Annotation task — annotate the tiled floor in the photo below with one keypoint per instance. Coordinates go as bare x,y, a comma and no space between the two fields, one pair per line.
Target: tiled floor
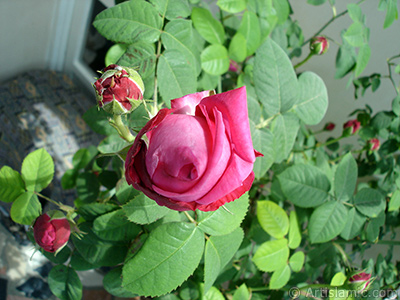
17,265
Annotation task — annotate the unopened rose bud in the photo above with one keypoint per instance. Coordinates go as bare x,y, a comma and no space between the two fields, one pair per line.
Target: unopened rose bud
319,45
359,282
233,66
329,126
351,127
51,231
119,90
374,144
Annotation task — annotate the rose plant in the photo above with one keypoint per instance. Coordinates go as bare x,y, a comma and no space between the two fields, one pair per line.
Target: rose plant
216,182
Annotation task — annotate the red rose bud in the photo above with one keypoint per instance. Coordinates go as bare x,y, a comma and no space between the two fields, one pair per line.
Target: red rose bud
374,144
51,231
329,126
233,66
351,127
360,281
119,90
319,45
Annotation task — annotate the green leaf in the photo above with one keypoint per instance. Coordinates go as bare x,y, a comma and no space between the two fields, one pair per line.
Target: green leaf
272,218
272,255
282,9
354,224
112,144
369,202
363,57
219,251
215,60
345,178
345,60
175,77
304,185
78,263
237,50
313,99
355,34
391,13
11,184
284,128
65,283
59,258
294,231
232,6
26,208
172,9
208,27
112,283
178,34
263,141
115,53
37,170
97,251
143,210
250,29
338,279
97,120
225,219
141,57
279,278
296,261
130,22
274,78
91,211
242,293
327,221
88,187
213,294
355,12
394,203
373,227
115,226
169,256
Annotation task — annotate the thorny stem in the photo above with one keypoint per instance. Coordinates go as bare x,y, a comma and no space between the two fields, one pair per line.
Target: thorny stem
343,254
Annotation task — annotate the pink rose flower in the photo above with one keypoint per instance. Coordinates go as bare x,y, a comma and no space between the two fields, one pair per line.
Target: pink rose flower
51,231
354,126
374,144
198,154
119,89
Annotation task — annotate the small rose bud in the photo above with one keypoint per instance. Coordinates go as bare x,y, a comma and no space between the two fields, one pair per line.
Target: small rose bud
119,90
360,282
319,45
233,66
51,231
351,127
373,144
329,126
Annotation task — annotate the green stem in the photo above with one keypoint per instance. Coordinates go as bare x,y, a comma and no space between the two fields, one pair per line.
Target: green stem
343,254
122,129
47,199
381,242
304,61
329,22
155,95
189,217
219,88
390,75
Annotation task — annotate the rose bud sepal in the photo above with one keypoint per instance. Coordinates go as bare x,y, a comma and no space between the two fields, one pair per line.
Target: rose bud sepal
359,281
319,45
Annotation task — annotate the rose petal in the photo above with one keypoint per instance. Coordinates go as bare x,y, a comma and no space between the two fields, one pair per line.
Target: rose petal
187,104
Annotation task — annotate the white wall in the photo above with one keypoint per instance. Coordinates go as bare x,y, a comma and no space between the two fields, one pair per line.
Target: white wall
384,44
43,34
